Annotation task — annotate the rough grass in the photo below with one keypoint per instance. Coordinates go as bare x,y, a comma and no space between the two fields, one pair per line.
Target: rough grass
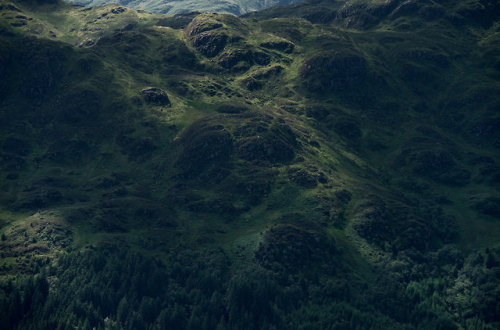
412,80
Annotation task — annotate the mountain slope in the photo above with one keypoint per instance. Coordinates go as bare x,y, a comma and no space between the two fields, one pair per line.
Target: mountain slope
235,7
296,168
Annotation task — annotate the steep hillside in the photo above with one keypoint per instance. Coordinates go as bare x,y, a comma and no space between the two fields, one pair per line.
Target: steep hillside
235,7
322,165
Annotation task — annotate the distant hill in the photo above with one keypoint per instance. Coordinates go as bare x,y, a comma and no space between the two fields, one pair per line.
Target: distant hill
235,7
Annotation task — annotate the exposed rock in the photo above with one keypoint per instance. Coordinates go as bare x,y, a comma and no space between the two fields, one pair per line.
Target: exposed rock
156,96
251,84
315,144
268,72
210,44
202,24
303,178
282,45
19,23
261,58
240,60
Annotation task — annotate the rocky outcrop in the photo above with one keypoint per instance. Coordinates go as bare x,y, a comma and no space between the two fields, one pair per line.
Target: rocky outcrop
206,35
155,96
202,24
306,178
281,45
240,60
210,44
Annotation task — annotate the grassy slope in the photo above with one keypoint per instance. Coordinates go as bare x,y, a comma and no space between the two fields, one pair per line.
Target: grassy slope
67,30
72,25
118,170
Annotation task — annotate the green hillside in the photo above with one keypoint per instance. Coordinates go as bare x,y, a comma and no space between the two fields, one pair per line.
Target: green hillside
326,165
235,7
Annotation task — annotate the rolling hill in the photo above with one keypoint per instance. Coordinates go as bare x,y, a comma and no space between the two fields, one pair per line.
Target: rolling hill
324,165
235,7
